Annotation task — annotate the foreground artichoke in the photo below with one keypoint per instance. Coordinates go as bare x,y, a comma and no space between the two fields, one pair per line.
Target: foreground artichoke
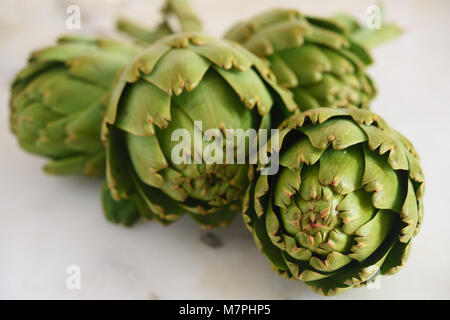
181,79
57,102
313,57
345,204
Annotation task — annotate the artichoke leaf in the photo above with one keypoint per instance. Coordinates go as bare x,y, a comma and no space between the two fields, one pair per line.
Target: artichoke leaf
250,88
287,185
342,169
299,153
341,133
409,215
372,234
387,185
308,63
355,210
147,159
144,106
396,258
223,55
285,76
333,262
177,70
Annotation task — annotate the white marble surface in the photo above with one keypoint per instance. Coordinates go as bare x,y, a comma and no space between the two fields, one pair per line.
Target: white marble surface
49,223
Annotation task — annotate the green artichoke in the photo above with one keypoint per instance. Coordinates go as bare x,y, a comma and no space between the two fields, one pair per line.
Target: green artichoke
57,102
181,79
345,203
313,57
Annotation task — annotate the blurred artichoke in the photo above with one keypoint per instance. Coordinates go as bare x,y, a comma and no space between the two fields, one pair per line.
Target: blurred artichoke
56,102
181,79
345,204
313,57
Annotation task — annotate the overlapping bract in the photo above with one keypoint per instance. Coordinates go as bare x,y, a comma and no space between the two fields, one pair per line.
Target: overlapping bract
56,102
345,204
313,57
181,79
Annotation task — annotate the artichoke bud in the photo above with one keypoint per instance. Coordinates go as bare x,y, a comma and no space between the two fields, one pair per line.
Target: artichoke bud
167,121
345,204
313,57
56,102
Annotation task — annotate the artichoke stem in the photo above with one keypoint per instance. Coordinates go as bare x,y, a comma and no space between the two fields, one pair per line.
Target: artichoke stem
373,38
179,16
184,14
141,33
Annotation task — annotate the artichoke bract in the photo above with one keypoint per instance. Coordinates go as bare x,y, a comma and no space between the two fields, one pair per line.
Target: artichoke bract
313,57
345,203
56,102
176,82
179,11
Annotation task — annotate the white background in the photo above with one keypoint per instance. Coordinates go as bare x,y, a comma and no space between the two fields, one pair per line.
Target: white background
49,223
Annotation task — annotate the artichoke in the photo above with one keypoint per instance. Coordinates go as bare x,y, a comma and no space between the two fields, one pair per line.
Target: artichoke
56,103
313,57
181,79
345,204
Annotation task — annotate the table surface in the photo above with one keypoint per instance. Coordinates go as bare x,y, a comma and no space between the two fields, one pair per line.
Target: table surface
50,223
